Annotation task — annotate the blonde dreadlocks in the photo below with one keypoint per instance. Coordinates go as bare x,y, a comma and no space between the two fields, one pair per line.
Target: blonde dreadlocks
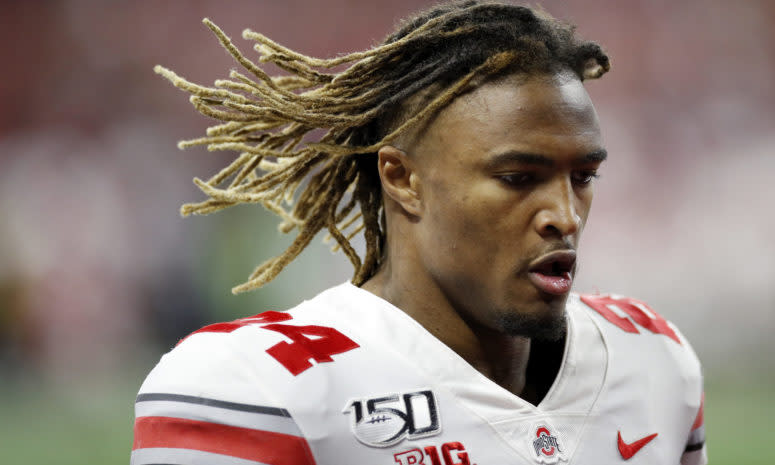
364,107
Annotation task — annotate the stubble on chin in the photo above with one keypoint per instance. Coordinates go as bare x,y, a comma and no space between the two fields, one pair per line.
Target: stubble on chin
542,326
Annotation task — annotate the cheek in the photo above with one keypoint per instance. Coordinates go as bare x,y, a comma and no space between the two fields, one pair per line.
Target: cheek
584,203
471,230
454,230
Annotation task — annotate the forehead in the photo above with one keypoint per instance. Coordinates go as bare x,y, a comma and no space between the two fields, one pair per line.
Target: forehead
549,115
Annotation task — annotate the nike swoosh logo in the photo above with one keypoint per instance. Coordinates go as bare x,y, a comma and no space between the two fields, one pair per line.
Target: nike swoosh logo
628,450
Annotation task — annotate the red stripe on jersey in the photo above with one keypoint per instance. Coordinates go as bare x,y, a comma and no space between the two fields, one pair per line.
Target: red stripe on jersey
245,443
700,420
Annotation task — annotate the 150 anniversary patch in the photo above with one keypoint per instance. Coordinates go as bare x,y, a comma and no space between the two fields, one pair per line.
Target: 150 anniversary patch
387,419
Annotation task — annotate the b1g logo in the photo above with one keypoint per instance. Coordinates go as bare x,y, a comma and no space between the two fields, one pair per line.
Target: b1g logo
386,420
448,449
546,446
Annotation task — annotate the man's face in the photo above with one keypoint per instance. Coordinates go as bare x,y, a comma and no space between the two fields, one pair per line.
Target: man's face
506,182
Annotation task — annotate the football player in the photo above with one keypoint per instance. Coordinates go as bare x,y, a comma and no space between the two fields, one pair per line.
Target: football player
465,150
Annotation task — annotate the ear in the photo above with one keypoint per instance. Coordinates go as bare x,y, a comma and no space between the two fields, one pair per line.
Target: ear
400,181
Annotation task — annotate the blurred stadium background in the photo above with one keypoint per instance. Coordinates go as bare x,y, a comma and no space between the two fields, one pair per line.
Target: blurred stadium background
99,275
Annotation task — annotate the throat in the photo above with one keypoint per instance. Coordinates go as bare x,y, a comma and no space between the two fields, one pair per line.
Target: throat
526,367
543,366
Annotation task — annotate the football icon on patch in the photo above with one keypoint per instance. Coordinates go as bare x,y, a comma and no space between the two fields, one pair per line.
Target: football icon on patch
383,429
386,420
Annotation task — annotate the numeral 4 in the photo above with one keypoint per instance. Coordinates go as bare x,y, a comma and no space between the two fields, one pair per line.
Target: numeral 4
296,355
317,343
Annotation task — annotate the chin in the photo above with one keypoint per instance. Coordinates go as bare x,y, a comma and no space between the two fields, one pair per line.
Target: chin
548,324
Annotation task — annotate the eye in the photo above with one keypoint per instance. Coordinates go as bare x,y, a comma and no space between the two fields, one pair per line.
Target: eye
585,177
518,179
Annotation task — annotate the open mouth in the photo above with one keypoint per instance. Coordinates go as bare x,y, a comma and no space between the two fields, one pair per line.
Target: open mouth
551,273
554,268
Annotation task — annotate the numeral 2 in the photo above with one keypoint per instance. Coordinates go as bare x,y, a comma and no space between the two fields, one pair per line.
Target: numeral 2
318,343
635,309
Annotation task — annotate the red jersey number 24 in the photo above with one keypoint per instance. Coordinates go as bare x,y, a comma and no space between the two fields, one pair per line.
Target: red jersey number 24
309,342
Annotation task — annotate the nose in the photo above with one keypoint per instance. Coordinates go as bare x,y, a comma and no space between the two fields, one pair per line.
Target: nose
558,215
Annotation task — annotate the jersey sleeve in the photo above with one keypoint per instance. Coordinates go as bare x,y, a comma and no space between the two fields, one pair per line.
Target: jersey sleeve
203,404
669,353
696,451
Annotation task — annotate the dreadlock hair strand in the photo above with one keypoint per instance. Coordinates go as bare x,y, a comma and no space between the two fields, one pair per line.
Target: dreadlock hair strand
330,181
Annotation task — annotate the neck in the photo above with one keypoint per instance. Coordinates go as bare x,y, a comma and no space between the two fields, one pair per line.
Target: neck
501,357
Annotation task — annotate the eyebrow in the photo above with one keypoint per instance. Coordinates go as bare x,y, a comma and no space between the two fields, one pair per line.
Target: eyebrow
524,158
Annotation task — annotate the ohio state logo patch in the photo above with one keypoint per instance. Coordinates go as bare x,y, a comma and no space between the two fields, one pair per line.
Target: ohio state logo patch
385,420
546,445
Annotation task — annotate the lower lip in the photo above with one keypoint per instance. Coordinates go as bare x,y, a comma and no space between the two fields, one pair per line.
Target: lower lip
556,285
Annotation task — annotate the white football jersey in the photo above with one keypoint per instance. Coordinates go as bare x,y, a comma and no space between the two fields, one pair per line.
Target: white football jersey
347,378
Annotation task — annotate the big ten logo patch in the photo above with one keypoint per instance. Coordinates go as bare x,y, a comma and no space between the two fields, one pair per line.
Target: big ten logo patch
385,420
546,445
450,453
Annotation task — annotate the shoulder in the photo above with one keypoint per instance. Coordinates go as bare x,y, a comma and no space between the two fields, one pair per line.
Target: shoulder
653,376
224,389
642,345
635,333
222,357
649,359
204,402
631,320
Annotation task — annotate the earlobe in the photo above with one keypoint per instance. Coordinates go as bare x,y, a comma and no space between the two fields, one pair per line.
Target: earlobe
399,179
